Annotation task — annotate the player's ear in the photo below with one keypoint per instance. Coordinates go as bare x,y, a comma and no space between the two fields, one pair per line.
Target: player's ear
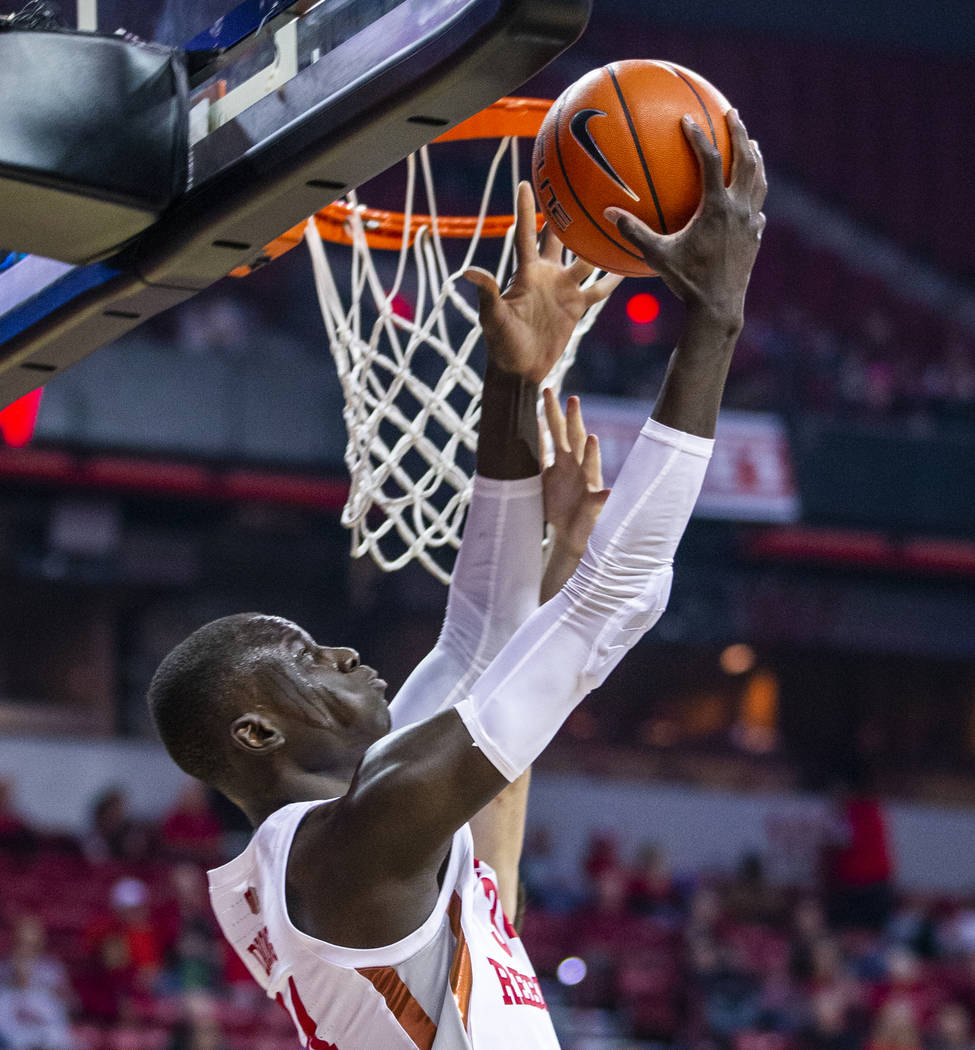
255,733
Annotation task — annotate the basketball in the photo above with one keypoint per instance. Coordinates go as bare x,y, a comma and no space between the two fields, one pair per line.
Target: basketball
614,138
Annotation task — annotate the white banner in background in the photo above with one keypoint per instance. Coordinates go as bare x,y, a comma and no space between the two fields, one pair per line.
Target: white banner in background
750,477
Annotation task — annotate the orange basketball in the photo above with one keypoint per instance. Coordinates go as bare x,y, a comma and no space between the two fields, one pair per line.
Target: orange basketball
614,137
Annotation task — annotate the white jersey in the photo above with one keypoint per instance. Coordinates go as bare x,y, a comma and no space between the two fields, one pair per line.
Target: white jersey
461,981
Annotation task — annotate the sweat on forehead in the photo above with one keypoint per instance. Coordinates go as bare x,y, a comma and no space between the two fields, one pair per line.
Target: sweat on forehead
261,629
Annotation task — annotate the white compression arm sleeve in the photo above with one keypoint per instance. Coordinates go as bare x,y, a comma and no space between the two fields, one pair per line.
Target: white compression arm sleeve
494,589
619,591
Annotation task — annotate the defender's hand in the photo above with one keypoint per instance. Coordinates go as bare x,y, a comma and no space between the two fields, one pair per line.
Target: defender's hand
707,264
528,327
572,486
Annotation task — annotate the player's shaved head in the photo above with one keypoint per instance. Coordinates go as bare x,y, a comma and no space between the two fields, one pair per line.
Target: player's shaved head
203,684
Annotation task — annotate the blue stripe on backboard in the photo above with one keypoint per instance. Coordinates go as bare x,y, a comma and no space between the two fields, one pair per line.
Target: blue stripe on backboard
74,283
241,21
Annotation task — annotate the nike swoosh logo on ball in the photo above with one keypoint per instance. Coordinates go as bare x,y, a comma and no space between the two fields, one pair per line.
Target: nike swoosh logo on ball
579,126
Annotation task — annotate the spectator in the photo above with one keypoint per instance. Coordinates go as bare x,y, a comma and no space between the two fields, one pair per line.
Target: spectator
651,889
750,898
895,1027
199,1029
39,969
540,873
907,984
125,950
31,1016
858,861
602,853
912,924
829,1026
951,1030
956,931
114,834
16,837
649,993
191,830
730,994
783,1005
188,931
808,926
706,919
601,928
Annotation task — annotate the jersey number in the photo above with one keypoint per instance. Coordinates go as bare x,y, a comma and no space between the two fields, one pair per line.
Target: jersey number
304,1019
502,930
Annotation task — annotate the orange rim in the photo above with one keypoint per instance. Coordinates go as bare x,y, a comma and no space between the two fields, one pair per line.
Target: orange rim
521,117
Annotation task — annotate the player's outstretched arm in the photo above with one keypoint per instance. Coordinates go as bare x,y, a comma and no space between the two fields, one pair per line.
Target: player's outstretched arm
384,842
728,225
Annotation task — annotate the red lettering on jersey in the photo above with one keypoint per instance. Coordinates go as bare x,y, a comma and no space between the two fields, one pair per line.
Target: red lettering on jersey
304,1020
518,989
508,991
263,950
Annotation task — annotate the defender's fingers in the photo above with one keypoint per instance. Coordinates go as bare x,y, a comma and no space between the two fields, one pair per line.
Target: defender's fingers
575,429
526,235
592,463
760,183
485,283
651,243
602,288
743,160
600,497
549,246
708,156
554,419
580,270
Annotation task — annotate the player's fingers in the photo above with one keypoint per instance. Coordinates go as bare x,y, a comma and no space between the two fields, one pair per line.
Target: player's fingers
708,156
580,270
549,246
592,463
743,159
575,429
600,497
602,288
488,291
554,418
526,234
759,184
651,243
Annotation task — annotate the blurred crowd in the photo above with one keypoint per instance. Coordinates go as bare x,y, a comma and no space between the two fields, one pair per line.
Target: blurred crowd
792,360
796,361
733,962
108,942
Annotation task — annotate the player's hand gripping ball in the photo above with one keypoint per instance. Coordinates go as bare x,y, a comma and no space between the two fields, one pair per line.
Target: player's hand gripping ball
614,138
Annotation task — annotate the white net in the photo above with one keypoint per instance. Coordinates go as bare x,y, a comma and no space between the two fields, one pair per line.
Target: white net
412,397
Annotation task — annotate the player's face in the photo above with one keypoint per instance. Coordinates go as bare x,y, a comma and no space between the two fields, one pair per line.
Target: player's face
328,689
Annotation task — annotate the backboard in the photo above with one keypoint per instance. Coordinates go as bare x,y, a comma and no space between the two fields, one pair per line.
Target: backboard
291,105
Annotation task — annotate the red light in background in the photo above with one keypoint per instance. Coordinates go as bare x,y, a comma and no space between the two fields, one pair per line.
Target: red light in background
17,420
402,307
643,308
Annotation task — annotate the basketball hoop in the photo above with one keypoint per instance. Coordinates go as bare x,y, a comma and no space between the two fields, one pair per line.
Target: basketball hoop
412,399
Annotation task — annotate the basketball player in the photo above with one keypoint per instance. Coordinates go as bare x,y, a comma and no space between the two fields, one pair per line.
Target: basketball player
359,904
